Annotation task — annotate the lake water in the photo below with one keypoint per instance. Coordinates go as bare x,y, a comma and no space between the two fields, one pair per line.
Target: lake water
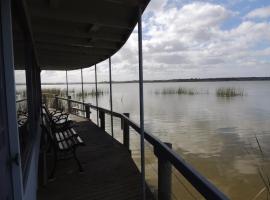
226,139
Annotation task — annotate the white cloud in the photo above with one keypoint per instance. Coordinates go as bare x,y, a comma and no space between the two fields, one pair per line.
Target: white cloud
156,5
190,41
259,13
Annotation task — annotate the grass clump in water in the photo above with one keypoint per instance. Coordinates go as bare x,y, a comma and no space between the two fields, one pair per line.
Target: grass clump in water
93,92
178,91
229,92
53,91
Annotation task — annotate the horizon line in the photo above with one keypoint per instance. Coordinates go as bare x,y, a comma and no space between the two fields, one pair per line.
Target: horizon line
166,80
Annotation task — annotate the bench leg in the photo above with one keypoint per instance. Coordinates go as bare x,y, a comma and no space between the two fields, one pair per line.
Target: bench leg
54,165
77,160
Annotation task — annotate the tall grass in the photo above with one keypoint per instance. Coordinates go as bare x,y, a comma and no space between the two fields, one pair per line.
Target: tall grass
229,92
21,93
179,91
53,92
93,92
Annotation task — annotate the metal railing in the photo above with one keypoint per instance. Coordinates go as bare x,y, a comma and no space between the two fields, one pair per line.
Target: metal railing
165,154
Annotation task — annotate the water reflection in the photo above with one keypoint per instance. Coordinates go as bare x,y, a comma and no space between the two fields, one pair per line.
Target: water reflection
217,135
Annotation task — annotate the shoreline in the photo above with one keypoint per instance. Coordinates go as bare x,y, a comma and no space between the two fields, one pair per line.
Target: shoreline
169,80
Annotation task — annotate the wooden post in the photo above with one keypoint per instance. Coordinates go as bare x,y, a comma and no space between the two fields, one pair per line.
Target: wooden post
126,132
164,175
69,104
102,119
87,110
56,102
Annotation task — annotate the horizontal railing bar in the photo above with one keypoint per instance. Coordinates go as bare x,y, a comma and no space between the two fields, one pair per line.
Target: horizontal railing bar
20,100
78,109
207,189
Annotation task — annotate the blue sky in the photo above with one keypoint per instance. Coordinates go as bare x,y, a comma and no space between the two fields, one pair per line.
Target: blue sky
192,39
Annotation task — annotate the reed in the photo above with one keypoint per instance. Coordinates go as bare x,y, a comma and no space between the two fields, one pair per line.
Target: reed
229,92
93,92
179,91
21,93
53,91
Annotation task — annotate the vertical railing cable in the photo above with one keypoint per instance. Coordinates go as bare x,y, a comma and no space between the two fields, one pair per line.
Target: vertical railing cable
141,101
96,94
67,82
111,105
82,85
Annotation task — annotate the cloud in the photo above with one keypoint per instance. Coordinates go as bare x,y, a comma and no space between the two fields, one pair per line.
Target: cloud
156,5
191,40
263,12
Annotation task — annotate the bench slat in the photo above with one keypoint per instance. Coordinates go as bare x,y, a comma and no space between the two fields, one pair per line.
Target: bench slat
57,137
79,139
67,139
60,145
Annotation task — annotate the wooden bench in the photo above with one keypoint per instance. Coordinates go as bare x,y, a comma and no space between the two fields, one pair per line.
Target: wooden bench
62,138
67,139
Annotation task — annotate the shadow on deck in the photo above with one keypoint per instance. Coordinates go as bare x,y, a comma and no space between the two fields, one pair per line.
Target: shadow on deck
109,171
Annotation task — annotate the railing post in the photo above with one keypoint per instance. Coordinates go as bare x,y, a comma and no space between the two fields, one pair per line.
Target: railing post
102,119
87,110
126,132
164,175
69,104
56,102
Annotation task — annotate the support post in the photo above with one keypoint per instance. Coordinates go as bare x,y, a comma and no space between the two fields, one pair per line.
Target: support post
67,82
111,105
10,175
87,110
141,101
164,175
69,104
126,132
82,85
96,93
102,119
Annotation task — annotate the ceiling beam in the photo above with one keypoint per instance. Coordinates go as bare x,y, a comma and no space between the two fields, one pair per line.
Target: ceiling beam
72,42
68,56
115,17
72,30
64,48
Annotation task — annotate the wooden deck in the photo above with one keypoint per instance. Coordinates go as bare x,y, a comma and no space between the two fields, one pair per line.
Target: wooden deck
109,171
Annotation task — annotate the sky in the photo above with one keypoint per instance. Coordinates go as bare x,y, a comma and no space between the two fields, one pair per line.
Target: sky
190,39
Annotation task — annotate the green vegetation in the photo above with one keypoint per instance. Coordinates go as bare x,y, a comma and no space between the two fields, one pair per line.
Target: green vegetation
180,91
21,93
93,92
229,92
53,92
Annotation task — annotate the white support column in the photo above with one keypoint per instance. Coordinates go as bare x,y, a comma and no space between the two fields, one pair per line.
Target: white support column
96,94
8,104
82,85
67,82
111,105
141,101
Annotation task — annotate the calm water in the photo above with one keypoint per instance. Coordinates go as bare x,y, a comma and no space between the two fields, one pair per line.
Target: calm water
217,135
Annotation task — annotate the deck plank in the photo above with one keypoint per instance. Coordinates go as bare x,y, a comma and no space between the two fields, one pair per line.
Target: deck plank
109,171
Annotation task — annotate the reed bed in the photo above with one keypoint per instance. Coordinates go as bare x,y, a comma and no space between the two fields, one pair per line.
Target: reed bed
229,92
21,93
53,92
93,92
180,91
